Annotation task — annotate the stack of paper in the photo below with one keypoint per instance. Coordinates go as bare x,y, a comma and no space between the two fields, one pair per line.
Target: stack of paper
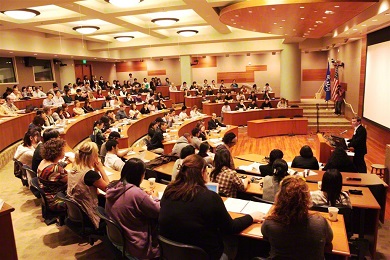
253,167
246,207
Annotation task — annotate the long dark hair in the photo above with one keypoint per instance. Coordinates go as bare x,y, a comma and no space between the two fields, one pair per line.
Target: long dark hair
279,169
221,159
133,171
332,183
189,181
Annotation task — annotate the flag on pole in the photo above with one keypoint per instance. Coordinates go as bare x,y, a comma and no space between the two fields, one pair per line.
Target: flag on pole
335,83
327,84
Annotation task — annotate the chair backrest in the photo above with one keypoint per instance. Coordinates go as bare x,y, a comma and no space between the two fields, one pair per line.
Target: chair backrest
258,199
114,230
171,250
45,204
74,210
19,172
30,173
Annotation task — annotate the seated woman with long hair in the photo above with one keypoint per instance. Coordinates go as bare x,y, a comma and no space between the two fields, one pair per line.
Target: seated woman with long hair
306,160
25,151
134,211
271,183
229,182
292,231
86,176
331,193
192,214
52,177
339,160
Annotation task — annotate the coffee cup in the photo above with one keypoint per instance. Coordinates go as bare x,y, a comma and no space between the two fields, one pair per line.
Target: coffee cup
333,211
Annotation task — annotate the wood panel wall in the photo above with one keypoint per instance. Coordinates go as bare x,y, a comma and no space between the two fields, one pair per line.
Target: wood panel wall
157,72
242,77
316,74
206,62
131,66
362,75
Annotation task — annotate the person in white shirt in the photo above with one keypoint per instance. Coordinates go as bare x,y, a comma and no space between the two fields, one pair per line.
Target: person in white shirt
48,101
267,88
282,103
8,108
195,112
112,159
184,87
57,99
172,88
37,93
225,108
240,96
183,114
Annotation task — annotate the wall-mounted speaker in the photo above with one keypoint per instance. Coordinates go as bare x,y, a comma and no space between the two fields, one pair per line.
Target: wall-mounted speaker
29,61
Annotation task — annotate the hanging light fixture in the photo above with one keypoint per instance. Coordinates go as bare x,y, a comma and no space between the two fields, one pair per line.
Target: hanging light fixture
22,14
187,33
124,38
86,29
124,3
165,21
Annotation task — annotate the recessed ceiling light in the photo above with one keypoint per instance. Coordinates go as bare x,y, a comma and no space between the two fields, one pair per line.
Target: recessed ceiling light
302,7
329,12
283,20
250,11
302,18
165,21
124,38
275,23
236,15
323,17
337,6
187,33
234,23
315,11
375,20
364,25
280,27
315,25
86,29
21,14
273,9
124,3
355,29
319,22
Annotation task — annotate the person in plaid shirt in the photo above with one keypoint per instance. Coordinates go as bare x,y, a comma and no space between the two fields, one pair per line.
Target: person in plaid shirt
227,178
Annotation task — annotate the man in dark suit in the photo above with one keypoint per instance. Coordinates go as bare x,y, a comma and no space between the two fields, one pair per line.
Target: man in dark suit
214,123
359,143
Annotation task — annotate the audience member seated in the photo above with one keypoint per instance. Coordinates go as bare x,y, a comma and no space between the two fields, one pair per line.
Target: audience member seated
229,140
186,151
133,112
229,182
229,97
152,128
47,115
209,91
131,207
112,160
339,160
123,92
67,97
112,136
145,110
240,96
331,193
253,105
186,218
234,84
107,102
282,103
204,150
267,169
151,105
86,176
58,115
57,99
8,108
306,160
156,143
99,93
214,123
266,104
98,136
52,177
80,96
25,151
225,108
307,234
183,114
38,93
121,113
241,106
77,109
111,116
271,183
66,111
115,102
47,135
182,142
252,96
87,106
196,140
219,98
195,112
38,121
161,105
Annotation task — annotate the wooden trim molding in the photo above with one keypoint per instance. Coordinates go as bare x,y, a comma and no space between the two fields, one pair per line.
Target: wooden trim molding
131,66
316,74
241,77
157,72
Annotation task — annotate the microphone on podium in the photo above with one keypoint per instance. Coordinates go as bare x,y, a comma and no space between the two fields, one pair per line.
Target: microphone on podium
343,132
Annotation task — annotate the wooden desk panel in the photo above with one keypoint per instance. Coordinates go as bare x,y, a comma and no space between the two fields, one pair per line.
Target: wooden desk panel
242,117
209,108
22,104
193,101
176,96
7,238
163,89
13,128
277,126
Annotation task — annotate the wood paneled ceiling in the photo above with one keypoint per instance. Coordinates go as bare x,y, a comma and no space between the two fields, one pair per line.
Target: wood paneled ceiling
292,18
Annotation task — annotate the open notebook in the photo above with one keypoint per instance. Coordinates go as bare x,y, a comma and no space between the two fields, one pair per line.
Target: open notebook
246,206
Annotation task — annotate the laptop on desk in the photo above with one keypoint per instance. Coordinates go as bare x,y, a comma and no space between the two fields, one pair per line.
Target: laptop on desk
339,142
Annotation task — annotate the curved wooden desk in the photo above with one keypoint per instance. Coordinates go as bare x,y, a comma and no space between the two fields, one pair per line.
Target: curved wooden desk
7,238
209,108
277,126
242,117
13,128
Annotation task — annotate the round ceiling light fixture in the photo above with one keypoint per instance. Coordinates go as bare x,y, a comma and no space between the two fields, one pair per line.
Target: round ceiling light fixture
124,3
124,38
187,33
165,21
86,29
21,14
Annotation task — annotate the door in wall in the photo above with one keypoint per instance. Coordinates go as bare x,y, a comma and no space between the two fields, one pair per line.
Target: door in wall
82,70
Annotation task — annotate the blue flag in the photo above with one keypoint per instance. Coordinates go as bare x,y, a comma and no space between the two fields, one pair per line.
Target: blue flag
327,84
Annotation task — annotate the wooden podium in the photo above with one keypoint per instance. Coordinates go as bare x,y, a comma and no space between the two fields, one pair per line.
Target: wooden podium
324,149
